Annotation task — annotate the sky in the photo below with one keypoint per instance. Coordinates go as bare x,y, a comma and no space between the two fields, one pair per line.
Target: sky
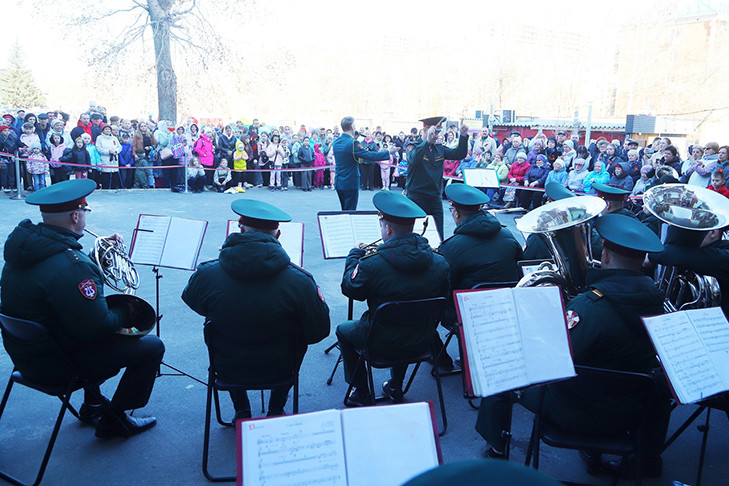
364,51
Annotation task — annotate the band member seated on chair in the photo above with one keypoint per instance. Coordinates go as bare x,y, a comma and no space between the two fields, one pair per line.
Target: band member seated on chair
480,250
265,309
49,280
404,267
605,332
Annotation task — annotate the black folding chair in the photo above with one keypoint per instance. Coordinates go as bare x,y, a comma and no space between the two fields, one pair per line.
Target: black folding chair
216,385
417,319
33,334
600,385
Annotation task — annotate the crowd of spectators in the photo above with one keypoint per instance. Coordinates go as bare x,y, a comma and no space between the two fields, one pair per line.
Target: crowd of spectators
122,153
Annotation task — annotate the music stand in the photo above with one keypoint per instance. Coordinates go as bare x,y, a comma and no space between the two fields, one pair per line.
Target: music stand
172,242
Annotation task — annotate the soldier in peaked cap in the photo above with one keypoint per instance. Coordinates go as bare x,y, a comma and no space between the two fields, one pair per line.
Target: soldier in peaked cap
49,280
615,199
424,184
480,250
264,309
606,331
403,268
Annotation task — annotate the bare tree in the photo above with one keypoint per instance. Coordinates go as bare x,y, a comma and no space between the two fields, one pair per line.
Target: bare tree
179,26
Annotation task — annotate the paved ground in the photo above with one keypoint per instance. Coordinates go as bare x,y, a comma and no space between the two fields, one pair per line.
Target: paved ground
171,452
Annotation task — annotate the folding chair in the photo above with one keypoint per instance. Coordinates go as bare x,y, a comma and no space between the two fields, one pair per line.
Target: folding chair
599,384
417,319
216,385
31,333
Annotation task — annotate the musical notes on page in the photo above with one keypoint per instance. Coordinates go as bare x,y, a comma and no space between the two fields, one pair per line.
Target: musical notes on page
148,244
168,241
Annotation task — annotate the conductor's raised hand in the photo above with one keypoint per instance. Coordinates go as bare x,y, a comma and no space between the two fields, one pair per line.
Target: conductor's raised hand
464,127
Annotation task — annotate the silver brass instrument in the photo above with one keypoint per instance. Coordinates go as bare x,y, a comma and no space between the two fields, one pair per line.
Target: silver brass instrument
112,259
371,248
690,211
565,227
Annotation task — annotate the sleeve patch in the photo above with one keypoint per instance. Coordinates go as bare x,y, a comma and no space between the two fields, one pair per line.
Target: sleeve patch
88,288
573,318
354,272
321,295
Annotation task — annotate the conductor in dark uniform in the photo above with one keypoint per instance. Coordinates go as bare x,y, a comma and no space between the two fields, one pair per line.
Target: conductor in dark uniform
480,250
403,268
265,309
348,154
424,185
49,280
605,332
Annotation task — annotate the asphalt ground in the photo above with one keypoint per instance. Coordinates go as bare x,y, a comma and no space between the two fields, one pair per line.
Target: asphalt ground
171,452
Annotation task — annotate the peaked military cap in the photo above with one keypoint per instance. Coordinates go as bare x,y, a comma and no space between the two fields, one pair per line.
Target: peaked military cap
397,208
258,214
465,196
610,192
433,121
62,196
627,236
556,191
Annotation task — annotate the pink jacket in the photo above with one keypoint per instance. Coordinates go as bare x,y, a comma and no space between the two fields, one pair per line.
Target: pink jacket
204,149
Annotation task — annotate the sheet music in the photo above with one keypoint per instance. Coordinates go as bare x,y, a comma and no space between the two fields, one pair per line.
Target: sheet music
365,228
336,235
495,352
299,449
150,242
388,445
684,356
544,333
713,329
431,232
182,246
487,178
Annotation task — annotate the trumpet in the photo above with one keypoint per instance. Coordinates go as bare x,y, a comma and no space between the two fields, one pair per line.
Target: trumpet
370,248
114,263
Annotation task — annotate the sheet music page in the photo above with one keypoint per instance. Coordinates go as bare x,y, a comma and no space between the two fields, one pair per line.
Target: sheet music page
684,357
302,449
713,329
366,228
544,333
184,239
337,234
431,232
150,241
292,240
487,178
388,445
495,351
232,227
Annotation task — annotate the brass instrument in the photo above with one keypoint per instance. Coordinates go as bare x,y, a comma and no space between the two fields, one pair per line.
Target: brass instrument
114,263
371,248
565,227
690,211
142,317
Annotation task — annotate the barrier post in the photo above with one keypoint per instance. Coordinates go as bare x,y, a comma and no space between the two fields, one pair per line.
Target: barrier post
18,181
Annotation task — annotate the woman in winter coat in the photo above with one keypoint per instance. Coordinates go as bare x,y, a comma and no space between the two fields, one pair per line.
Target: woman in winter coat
645,181
205,150
598,175
276,156
621,178
699,174
576,177
535,177
109,147
558,174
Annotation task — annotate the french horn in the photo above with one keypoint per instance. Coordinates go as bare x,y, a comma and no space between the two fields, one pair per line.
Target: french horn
689,211
565,227
114,263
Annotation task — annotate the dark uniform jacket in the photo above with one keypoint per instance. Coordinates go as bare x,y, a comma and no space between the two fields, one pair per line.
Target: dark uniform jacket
262,304
480,250
608,334
425,167
347,154
404,268
49,280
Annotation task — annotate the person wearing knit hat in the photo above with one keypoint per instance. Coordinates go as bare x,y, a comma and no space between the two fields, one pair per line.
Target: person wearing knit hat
404,267
279,308
424,184
69,298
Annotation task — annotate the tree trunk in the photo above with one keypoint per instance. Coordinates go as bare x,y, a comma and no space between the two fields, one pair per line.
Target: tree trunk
166,78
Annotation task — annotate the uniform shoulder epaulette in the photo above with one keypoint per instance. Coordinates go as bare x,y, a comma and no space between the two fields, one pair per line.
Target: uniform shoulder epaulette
301,269
72,255
595,295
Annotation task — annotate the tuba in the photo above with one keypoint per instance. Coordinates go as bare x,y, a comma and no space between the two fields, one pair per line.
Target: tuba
565,226
114,263
689,212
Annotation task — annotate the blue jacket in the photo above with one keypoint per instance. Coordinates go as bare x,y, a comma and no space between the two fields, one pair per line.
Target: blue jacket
558,176
347,155
536,173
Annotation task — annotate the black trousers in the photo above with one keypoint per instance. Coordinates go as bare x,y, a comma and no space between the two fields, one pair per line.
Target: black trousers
431,205
348,199
141,358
